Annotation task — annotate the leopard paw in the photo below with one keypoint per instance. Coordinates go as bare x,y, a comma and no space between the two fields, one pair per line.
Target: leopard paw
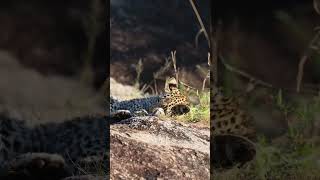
141,112
121,114
159,112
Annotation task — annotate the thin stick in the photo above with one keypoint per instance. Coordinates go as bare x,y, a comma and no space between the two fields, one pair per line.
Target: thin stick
307,90
155,86
244,74
174,60
205,80
158,74
203,29
149,87
185,84
308,52
196,40
316,6
304,59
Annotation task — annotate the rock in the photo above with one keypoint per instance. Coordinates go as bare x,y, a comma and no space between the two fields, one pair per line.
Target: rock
149,147
85,177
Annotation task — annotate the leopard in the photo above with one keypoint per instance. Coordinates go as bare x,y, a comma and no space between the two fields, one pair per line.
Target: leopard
233,133
228,117
170,103
52,150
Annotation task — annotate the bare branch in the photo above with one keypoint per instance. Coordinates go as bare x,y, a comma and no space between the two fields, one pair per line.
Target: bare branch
174,61
304,58
244,74
203,29
316,6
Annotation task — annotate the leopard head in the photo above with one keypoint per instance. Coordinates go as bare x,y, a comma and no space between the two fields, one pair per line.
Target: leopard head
174,102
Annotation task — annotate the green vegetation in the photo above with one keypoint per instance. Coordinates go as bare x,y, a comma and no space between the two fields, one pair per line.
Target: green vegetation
199,112
295,155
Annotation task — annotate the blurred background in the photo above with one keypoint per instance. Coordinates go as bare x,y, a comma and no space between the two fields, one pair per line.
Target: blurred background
269,59
53,58
148,31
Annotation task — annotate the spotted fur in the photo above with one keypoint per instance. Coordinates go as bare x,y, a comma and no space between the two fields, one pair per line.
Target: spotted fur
73,142
172,102
227,117
232,132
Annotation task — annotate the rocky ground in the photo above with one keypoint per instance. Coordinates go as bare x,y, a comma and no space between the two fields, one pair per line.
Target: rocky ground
150,147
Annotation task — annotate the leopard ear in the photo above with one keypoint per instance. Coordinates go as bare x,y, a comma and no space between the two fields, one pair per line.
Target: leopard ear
171,82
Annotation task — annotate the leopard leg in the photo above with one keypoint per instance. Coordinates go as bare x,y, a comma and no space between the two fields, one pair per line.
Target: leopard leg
121,114
158,112
141,112
168,112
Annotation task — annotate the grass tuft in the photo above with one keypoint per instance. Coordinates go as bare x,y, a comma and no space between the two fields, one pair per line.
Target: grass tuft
200,111
295,155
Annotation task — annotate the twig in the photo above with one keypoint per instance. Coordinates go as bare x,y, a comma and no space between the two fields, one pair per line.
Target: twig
254,81
209,59
196,40
203,29
205,80
155,86
76,165
201,70
308,52
139,69
185,84
316,46
163,69
316,6
174,61
244,74
157,75
146,87
304,59
207,74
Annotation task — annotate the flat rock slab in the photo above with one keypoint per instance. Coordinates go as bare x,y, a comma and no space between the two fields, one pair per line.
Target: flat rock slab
151,148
